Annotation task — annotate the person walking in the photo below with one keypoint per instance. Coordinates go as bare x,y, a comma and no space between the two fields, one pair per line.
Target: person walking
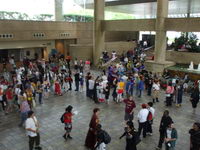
130,134
142,120
32,128
67,119
129,109
194,98
91,137
179,93
150,118
164,123
170,137
195,136
156,91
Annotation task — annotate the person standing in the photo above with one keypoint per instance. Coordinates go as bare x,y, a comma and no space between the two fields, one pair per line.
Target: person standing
195,136
32,128
169,94
179,94
67,118
40,92
150,118
130,134
194,98
77,80
149,87
156,91
107,92
24,109
91,87
142,120
171,137
91,137
141,86
164,123
100,145
129,109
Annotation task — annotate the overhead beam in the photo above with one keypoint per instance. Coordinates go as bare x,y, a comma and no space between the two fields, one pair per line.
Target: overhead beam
182,24
129,25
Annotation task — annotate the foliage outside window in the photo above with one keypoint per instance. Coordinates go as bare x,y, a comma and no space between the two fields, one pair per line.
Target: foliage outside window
187,41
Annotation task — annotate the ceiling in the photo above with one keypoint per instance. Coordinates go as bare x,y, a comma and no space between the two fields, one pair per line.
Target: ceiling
147,8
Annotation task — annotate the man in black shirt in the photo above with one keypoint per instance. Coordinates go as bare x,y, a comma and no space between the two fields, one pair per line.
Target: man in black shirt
165,122
77,79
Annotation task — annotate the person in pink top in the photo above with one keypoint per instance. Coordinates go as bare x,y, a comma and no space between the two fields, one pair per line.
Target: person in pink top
169,94
24,109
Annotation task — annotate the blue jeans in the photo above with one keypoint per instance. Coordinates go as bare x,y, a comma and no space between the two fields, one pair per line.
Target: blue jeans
24,116
40,97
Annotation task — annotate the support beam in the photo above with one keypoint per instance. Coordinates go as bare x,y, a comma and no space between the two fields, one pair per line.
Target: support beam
99,33
130,25
182,24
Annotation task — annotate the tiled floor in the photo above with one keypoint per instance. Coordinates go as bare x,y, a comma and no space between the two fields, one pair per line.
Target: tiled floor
13,138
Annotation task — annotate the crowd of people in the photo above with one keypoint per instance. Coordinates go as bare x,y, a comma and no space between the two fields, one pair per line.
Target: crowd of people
23,87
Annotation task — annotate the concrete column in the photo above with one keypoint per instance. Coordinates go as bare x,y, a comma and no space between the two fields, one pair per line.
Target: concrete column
161,39
99,33
58,10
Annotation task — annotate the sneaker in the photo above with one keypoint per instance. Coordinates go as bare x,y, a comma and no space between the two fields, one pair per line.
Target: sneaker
69,137
38,148
64,136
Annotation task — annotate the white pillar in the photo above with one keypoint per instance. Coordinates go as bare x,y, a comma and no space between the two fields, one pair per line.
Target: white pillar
99,33
58,10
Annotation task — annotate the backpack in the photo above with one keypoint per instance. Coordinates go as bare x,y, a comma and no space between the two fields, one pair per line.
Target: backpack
62,118
106,137
150,116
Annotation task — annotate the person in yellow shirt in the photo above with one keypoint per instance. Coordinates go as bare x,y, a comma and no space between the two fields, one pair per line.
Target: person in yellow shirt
120,90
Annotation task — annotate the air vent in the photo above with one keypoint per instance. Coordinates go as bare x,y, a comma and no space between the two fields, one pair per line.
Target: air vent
64,34
6,36
38,35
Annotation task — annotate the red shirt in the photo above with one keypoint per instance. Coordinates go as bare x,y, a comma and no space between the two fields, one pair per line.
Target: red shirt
130,105
9,94
68,118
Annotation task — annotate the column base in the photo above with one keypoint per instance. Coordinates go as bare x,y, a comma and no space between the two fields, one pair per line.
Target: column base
158,67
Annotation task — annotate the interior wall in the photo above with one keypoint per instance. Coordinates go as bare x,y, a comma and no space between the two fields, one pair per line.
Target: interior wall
84,52
183,57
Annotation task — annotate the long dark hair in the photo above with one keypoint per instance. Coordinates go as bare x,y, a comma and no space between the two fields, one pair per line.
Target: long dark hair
69,109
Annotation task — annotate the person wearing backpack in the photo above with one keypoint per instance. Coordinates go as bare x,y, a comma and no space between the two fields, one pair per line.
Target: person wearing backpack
150,118
132,138
67,120
103,138
164,123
